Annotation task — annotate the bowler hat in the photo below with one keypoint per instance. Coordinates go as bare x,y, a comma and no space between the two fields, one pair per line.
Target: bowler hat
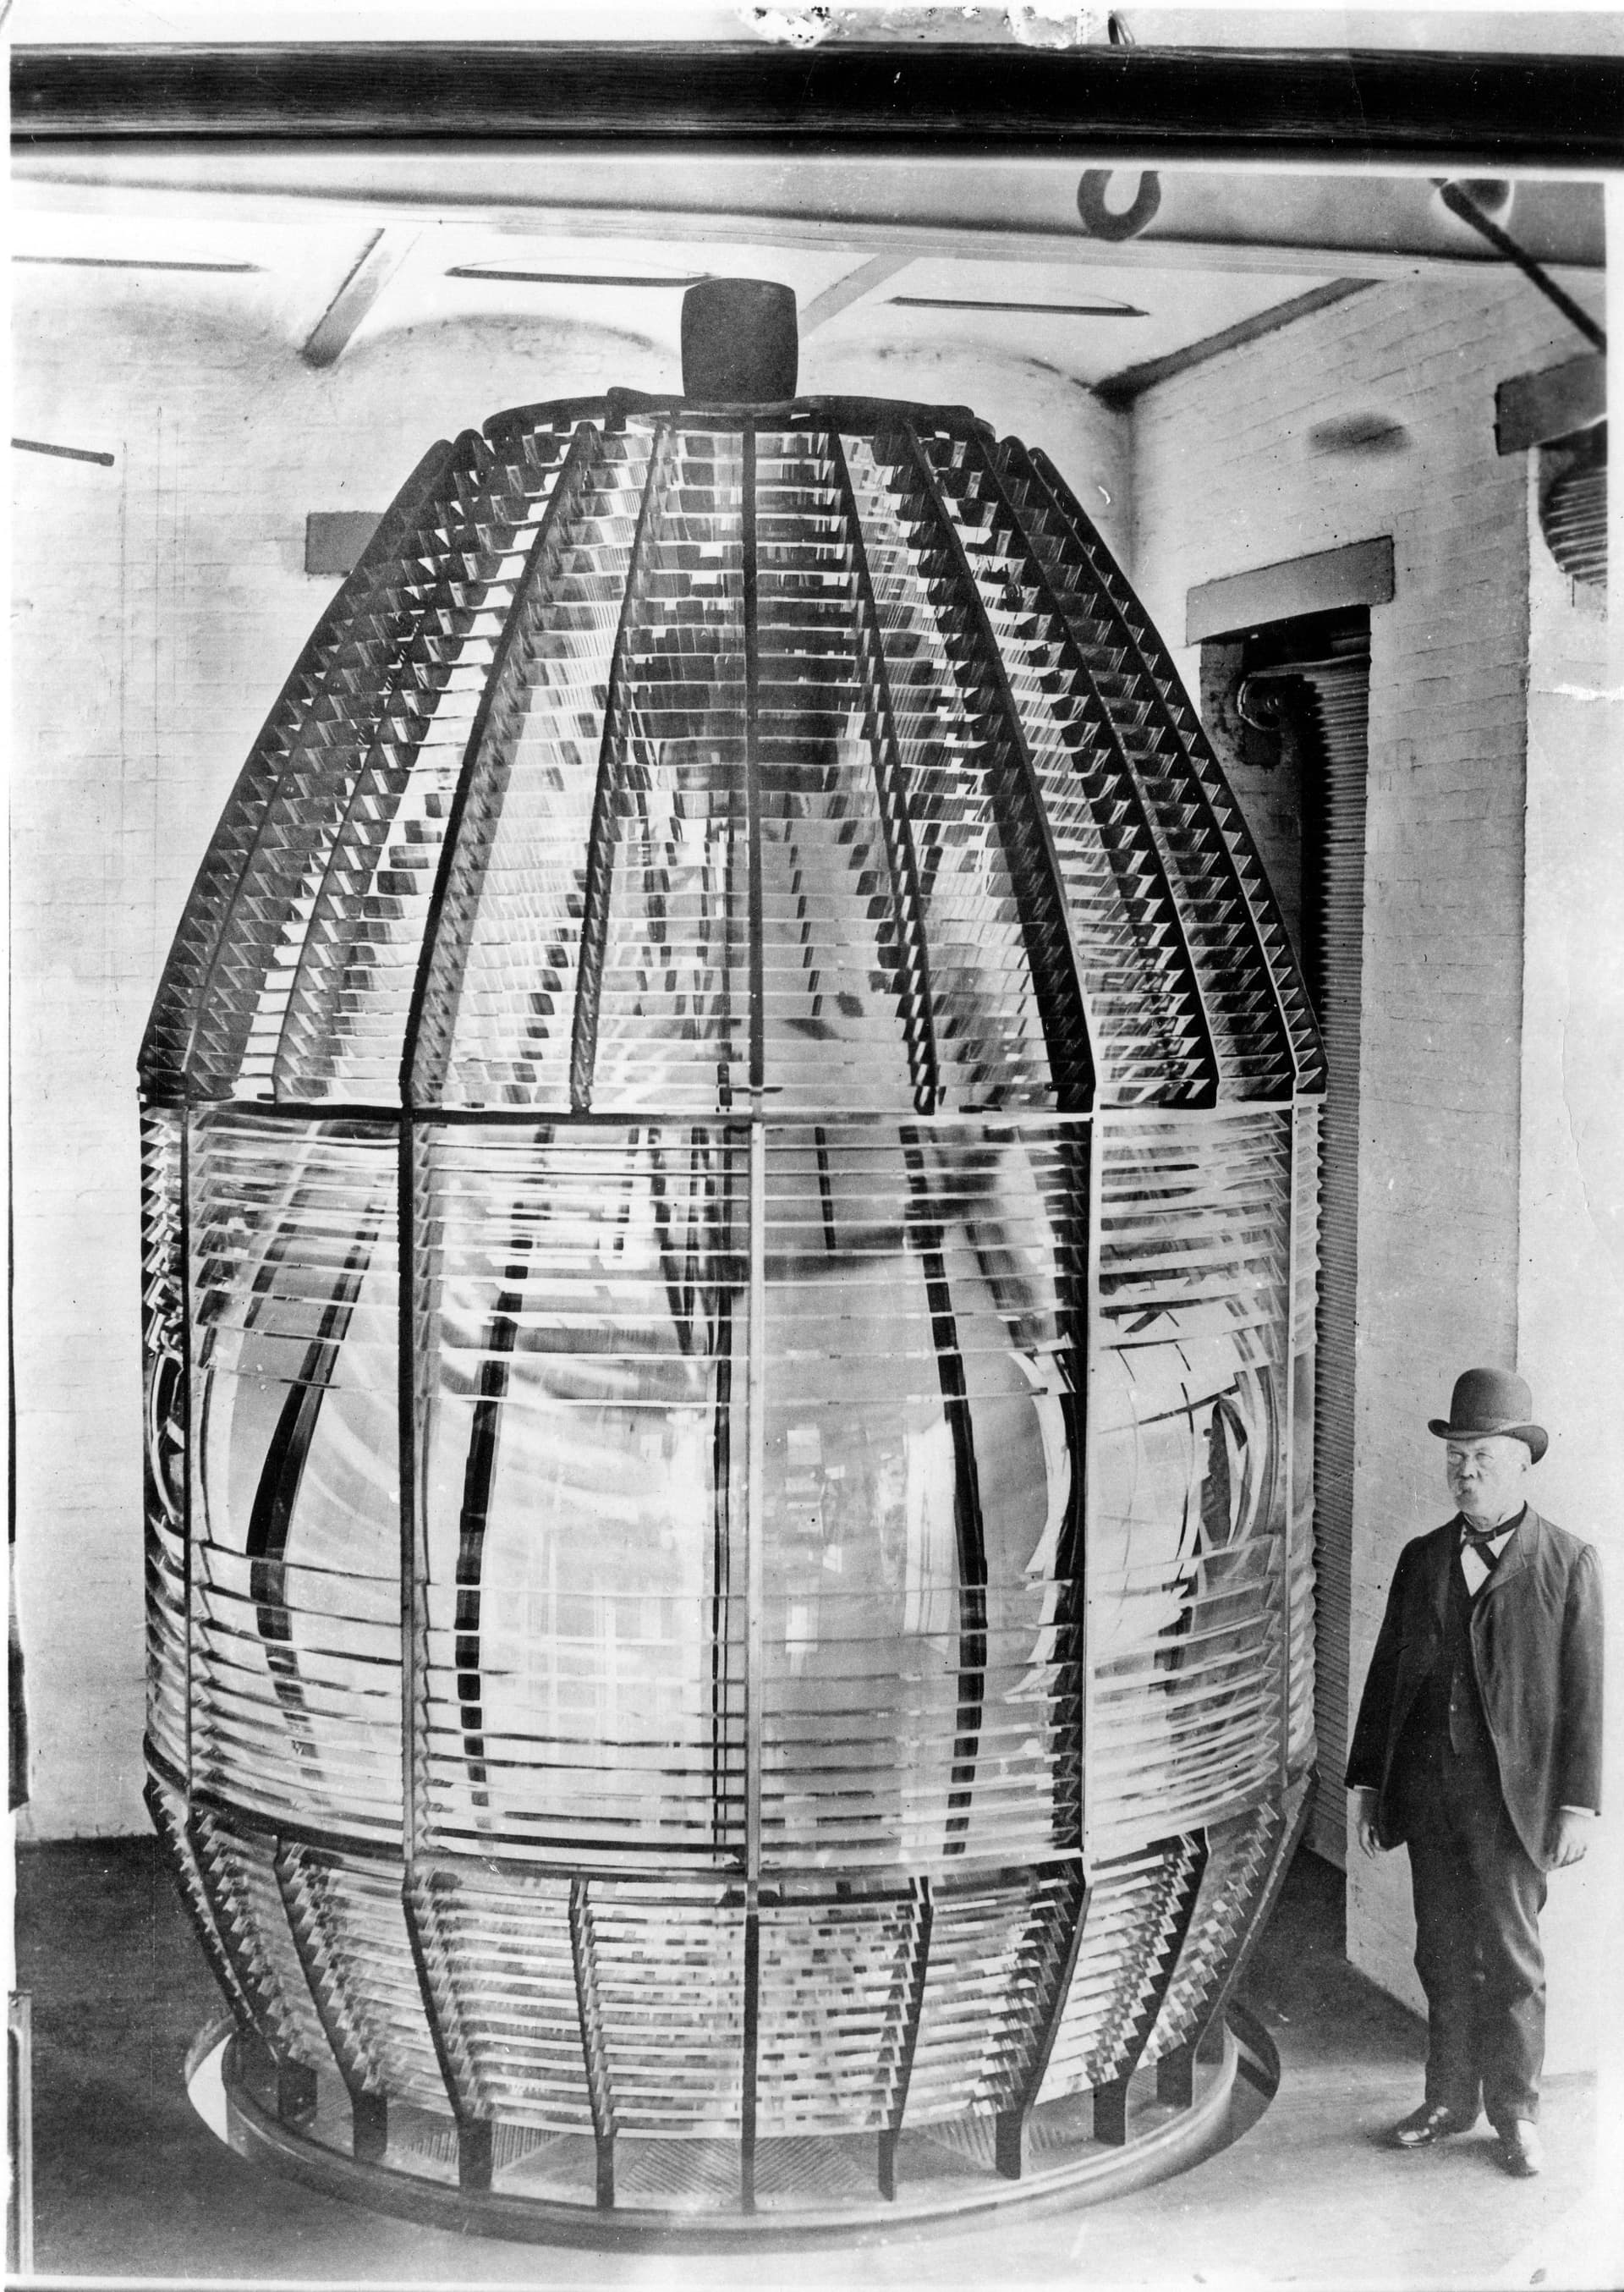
1488,1401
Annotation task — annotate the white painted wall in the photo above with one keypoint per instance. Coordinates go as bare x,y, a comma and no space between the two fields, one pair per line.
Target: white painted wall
160,606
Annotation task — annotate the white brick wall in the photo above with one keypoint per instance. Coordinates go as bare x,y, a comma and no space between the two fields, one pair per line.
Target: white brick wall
1570,1280
1225,479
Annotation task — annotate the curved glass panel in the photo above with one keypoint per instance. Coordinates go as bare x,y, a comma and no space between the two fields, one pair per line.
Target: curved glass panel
581,1335
295,1568
1187,1491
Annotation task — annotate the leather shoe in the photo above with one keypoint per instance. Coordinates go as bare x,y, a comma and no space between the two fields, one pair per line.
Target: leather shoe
1429,2123
1522,2151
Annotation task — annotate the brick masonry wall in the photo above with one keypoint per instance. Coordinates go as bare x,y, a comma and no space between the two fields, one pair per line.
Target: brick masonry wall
1228,475
160,604
1571,1278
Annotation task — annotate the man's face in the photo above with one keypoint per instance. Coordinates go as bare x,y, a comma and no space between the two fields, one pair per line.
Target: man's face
1485,1477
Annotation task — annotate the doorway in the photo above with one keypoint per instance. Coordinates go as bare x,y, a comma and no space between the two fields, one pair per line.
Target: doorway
1286,704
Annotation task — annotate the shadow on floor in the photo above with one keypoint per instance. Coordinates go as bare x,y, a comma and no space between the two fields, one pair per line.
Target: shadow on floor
129,2181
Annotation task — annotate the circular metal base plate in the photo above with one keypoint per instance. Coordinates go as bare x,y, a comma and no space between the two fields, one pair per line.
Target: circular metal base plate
543,2183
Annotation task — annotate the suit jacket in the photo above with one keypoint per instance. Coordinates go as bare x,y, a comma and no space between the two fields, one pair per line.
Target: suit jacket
1536,1648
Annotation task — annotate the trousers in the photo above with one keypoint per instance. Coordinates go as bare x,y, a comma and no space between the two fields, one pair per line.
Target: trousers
1478,1896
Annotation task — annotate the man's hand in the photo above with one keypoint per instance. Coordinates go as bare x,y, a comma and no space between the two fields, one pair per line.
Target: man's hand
1571,1838
1364,1822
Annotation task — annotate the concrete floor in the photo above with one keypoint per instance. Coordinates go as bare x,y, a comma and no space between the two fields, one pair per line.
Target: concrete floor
130,2184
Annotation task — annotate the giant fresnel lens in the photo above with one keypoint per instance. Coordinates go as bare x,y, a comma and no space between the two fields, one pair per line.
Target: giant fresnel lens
729,1189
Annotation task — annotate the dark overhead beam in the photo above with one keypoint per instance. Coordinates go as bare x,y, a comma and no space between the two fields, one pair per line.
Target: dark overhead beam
1461,203
1458,111
1121,389
376,264
569,278
854,287
129,262
1033,309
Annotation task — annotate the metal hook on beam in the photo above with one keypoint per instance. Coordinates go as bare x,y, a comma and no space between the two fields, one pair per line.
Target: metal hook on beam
1101,222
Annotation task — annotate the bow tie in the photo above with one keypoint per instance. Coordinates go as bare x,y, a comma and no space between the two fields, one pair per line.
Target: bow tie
1472,1537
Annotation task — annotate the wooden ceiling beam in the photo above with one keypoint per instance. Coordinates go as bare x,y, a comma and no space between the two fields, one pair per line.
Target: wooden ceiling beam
1469,113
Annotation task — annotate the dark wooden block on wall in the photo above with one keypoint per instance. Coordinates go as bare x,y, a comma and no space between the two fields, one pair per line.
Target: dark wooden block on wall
334,538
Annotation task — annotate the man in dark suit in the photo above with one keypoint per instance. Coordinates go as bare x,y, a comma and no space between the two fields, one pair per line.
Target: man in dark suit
1478,1744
